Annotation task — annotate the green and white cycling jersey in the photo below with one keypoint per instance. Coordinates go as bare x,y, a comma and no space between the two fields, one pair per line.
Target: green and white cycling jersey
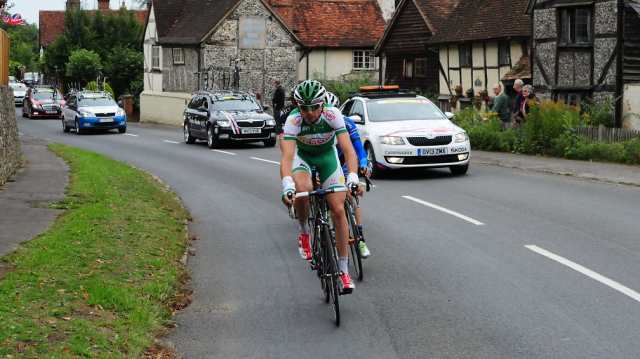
315,144
319,136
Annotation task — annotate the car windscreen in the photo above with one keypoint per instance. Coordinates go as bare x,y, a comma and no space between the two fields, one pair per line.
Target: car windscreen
42,95
19,87
96,101
236,104
403,109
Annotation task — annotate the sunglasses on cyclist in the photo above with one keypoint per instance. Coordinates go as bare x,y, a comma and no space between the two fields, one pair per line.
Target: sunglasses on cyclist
309,107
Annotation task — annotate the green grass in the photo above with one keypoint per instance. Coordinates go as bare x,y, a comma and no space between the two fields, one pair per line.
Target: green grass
102,280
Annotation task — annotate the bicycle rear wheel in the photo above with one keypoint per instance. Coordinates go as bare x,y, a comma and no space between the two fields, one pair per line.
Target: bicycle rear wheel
331,277
355,257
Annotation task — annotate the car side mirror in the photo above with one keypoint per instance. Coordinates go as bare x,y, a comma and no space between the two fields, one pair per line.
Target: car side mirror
202,109
120,103
449,115
357,119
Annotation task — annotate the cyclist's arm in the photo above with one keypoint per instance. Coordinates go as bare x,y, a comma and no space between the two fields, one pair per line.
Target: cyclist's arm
360,151
286,164
350,157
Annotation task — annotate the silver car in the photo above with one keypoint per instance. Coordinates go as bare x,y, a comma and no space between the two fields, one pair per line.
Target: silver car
19,90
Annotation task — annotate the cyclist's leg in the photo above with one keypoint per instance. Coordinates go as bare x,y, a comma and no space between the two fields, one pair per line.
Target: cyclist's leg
302,178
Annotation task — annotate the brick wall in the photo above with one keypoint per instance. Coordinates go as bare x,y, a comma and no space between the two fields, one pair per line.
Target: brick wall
9,139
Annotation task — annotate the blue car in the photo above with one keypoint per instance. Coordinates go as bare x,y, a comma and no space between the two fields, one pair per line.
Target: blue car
92,110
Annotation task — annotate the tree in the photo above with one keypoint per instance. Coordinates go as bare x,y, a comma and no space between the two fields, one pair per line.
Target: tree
124,66
140,4
83,66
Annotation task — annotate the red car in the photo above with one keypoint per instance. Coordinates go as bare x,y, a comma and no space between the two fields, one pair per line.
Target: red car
42,101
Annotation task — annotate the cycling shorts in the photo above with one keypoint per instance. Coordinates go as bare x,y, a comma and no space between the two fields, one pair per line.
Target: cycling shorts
326,163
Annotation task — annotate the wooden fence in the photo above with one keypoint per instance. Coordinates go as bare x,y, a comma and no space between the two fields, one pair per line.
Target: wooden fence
4,57
605,134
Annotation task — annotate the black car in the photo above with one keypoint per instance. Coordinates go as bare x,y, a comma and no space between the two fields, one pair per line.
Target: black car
42,101
217,116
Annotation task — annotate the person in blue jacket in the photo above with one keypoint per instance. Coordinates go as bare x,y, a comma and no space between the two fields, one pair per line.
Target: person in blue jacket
363,163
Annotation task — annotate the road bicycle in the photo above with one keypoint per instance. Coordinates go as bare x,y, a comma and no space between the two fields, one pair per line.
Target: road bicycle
355,238
324,253
235,84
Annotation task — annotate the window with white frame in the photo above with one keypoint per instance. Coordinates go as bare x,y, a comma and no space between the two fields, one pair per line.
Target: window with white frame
155,57
408,68
178,56
363,60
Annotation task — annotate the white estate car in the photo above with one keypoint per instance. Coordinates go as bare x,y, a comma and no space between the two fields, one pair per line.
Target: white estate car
400,129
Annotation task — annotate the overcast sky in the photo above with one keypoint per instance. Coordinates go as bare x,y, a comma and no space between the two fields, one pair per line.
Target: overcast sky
30,8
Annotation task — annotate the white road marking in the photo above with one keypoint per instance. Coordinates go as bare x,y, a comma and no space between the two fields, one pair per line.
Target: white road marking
588,272
262,159
228,153
171,141
128,134
434,206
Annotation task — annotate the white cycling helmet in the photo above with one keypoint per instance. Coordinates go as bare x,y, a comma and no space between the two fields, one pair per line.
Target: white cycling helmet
332,99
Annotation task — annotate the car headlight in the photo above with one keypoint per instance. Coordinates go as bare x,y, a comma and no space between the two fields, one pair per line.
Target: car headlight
225,123
271,122
120,112
85,113
391,140
461,137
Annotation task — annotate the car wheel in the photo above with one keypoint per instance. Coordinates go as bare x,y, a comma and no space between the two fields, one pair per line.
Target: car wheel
460,169
65,128
122,129
212,142
78,130
187,135
371,158
270,142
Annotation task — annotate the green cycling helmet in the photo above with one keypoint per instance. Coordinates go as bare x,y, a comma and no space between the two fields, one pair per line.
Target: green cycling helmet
309,91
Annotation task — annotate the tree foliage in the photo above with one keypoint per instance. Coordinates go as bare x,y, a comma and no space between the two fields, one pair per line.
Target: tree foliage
102,34
24,44
82,66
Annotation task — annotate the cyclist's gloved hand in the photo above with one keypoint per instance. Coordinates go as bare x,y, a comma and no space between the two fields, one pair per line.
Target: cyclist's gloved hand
365,171
289,189
352,179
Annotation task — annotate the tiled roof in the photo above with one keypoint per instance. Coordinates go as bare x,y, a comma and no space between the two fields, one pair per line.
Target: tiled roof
52,23
189,21
521,70
331,23
474,20
434,13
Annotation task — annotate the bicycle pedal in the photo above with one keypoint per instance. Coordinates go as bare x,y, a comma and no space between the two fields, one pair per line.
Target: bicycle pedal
351,239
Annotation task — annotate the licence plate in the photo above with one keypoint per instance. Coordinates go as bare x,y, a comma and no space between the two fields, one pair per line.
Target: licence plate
106,120
438,151
51,111
245,131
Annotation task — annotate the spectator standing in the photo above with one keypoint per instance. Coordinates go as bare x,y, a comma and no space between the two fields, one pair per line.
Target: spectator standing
517,104
529,99
259,99
278,102
501,105
284,113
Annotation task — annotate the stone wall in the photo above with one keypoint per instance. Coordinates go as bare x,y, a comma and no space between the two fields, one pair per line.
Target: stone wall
261,66
9,139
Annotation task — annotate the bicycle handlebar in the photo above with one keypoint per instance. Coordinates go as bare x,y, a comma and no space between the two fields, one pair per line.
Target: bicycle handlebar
322,192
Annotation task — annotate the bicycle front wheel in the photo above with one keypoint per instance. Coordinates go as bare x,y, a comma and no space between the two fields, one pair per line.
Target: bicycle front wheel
331,277
355,257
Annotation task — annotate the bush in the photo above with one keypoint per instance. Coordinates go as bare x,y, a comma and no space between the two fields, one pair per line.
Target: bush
599,113
92,86
545,123
343,89
83,66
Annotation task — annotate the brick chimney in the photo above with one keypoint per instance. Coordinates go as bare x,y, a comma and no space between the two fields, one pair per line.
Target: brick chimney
103,4
73,4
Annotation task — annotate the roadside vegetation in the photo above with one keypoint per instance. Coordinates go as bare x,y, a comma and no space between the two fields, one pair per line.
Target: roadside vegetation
549,131
104,280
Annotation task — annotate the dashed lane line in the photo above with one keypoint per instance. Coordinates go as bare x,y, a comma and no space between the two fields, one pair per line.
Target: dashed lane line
262,159
225,152
132,135
167,141
588,272
435,206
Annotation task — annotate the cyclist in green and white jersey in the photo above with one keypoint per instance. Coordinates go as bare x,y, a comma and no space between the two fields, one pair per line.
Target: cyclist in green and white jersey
309,135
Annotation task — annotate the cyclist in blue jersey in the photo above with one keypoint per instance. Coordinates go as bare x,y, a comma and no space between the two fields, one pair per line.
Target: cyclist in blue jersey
362,159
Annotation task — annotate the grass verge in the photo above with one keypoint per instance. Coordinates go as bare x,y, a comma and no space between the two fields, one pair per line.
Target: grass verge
103,280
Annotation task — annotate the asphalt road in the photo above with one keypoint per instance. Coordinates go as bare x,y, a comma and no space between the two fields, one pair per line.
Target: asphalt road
498,263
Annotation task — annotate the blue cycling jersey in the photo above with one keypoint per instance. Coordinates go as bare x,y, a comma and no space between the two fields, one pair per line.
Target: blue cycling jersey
357,144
